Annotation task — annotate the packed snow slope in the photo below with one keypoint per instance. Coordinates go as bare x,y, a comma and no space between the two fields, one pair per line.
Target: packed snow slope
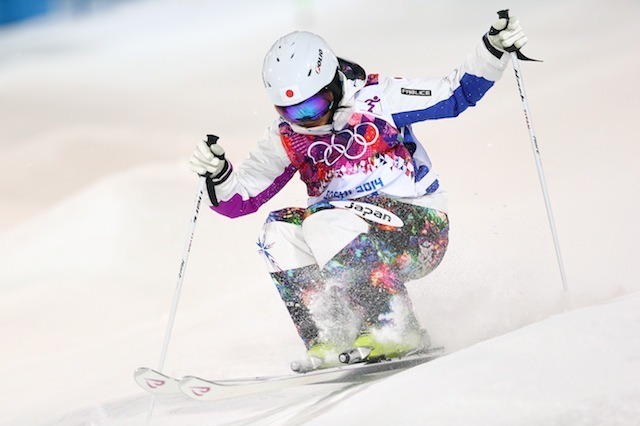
99,114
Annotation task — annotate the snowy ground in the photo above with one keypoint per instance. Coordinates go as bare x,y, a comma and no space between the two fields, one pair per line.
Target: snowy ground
99,114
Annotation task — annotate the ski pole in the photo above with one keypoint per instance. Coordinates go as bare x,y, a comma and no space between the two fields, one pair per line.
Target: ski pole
515,55
211,139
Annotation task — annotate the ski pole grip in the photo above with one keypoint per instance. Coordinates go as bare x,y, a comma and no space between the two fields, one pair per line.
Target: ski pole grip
212,139
504,14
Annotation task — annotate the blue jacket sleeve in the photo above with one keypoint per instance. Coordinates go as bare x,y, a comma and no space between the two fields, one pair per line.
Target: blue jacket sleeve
414,100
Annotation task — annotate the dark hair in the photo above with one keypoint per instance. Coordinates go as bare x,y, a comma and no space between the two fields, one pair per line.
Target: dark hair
335,87
351,70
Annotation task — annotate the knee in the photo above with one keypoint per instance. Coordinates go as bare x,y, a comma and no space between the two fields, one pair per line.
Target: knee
281,241
328,231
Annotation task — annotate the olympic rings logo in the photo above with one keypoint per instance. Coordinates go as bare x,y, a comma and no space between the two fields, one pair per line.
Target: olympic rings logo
330,153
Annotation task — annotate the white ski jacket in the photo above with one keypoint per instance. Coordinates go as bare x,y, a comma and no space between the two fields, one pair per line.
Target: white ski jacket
368,149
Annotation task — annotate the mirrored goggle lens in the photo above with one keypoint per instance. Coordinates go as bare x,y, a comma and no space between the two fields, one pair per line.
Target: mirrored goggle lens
312,109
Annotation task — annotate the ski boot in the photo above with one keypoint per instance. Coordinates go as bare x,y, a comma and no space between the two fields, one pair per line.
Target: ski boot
371,347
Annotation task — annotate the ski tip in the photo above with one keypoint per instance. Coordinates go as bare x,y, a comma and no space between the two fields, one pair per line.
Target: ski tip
154,381
195,388
141,370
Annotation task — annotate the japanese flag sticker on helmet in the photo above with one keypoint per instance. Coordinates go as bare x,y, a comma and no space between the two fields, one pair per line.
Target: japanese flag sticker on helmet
291,93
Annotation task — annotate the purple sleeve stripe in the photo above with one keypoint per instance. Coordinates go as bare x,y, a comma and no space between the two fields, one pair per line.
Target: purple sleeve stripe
236,206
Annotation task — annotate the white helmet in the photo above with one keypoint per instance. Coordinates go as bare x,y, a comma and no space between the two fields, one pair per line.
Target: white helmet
298,66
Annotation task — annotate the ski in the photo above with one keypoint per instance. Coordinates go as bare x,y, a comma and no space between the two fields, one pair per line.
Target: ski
156,382
211,390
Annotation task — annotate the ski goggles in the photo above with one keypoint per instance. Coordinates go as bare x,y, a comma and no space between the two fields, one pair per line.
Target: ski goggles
308,110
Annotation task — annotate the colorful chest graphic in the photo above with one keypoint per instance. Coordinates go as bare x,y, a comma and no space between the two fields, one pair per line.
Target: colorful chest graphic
358,152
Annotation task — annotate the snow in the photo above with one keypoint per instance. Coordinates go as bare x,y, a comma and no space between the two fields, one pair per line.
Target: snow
99,114
580,367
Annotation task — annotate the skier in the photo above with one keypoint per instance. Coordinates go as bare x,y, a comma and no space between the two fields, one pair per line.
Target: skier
377,213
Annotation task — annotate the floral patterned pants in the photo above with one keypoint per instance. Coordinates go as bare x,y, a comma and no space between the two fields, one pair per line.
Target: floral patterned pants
339,274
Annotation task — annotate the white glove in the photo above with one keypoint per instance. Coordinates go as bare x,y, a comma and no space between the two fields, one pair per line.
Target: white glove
209,161
506,35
